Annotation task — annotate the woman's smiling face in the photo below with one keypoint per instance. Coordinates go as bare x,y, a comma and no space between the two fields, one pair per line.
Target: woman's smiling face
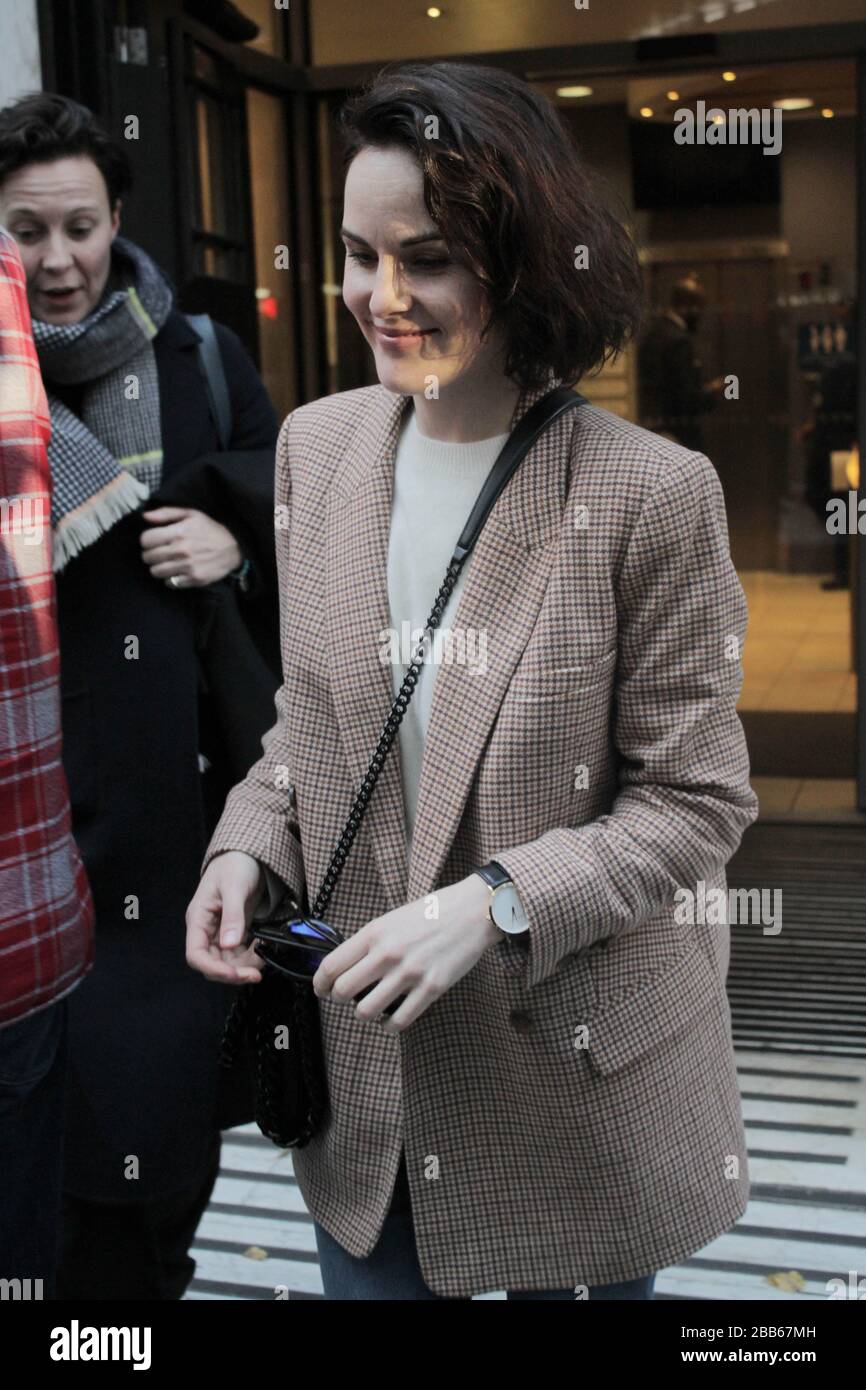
420,310
59,215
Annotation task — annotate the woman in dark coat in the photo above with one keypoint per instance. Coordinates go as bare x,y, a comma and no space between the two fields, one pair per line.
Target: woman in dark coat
168,615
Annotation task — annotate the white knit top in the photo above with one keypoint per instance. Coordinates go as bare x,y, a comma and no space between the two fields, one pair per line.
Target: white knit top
435,488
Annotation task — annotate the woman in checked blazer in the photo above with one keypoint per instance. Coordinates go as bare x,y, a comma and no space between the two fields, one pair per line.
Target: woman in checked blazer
553,1108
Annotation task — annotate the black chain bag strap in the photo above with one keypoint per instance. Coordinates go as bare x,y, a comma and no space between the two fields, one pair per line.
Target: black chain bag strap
290,1082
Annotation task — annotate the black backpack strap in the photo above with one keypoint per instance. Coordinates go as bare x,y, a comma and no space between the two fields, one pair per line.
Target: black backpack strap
213,373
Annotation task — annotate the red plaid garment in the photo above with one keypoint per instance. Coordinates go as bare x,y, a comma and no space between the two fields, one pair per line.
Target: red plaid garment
46,910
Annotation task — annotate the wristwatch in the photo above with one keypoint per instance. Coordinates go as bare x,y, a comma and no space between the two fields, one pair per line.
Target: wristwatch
505,908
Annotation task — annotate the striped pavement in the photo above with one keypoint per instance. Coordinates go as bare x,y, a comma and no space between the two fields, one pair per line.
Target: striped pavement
806,1127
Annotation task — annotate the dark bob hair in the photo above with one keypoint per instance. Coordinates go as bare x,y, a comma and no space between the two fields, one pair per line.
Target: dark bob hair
513,198
43,126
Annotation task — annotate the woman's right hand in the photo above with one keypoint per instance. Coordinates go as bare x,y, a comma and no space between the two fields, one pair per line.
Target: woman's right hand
219,917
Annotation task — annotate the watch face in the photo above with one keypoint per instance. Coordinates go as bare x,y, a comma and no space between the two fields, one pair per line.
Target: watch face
507,911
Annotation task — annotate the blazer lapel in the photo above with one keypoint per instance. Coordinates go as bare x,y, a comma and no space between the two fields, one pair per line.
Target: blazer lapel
359,519
503,591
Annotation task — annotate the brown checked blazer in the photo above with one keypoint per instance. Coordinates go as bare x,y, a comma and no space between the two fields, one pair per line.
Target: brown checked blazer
570,1115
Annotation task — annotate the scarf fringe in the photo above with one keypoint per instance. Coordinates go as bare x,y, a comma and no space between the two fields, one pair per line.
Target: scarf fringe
80,528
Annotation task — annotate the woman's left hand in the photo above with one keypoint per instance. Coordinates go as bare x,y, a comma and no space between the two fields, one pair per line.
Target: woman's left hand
188,547
408,952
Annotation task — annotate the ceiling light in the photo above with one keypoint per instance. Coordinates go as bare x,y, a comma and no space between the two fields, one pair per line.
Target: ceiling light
646,110
794,103
729,76
434,12
828,111
574,91
672,96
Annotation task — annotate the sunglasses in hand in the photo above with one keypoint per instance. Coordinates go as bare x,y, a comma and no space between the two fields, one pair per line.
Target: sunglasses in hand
296,947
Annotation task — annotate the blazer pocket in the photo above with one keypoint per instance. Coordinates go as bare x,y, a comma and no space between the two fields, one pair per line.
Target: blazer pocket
534,684
654,1016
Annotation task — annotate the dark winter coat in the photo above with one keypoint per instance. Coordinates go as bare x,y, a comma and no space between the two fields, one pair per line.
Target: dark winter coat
151,678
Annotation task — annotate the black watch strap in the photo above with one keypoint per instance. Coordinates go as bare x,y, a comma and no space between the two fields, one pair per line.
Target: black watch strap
494,874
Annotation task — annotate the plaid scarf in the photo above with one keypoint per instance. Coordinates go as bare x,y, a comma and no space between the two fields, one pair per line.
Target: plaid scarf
107,463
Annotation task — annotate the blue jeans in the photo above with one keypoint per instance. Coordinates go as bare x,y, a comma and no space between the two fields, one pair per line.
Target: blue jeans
391,1270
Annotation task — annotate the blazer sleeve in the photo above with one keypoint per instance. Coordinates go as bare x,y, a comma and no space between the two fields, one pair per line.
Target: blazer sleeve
260,815
684,798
